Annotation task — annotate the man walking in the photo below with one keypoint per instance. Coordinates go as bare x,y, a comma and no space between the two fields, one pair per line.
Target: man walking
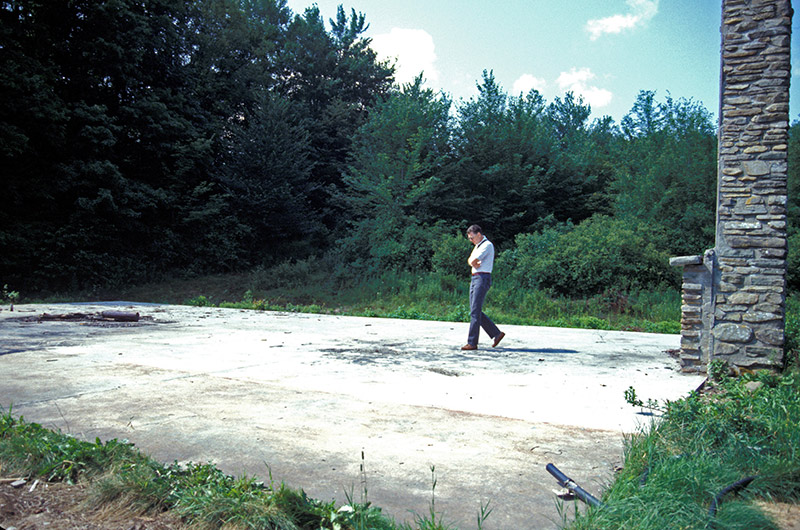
481,260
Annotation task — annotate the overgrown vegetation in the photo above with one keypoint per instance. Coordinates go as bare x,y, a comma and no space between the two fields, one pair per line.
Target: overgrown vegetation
436,296
165,139
203,496
735,428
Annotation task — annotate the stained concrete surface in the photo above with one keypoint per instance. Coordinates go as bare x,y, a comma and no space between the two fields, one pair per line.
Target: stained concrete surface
341,405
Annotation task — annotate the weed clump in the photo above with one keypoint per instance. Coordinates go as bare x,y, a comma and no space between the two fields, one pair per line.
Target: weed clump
203,496
735,429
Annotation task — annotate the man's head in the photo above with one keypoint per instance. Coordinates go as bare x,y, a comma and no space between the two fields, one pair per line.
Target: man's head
474,234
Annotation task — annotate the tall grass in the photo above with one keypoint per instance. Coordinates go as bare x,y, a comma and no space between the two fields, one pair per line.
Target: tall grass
200,494
438,296
675,467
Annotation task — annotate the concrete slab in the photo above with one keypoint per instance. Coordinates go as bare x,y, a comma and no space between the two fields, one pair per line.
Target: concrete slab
314,399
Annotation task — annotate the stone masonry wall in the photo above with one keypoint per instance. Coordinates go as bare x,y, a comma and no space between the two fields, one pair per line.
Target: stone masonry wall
750,272
696,310
734,297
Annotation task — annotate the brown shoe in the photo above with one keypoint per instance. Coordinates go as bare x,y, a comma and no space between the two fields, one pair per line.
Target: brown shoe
469,347
497,339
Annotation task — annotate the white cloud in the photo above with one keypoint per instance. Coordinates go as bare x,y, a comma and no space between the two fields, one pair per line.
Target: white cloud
413,51
577,82
641,12
525,83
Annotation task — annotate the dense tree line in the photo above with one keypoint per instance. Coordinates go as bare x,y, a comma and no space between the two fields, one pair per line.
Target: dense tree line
140,138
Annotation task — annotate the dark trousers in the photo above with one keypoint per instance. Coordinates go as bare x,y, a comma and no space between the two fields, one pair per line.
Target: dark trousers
478,288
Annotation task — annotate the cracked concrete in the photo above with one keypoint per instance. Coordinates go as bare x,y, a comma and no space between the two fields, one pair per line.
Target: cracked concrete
304,396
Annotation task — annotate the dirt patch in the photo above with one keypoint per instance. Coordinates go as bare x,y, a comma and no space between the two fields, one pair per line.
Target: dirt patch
787,516
58,506
102,318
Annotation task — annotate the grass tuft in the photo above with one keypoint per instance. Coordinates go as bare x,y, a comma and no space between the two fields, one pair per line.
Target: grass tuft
674,468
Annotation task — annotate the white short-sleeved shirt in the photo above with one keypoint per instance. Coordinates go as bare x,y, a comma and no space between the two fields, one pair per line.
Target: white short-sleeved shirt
483,251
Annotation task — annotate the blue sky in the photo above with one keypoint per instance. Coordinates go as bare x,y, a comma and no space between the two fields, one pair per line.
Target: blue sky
604,50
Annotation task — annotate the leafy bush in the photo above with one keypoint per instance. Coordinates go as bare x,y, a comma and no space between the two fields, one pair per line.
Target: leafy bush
599,254
521,261
450,254
289,273
791,347
793,262
8,296
200,301
377,246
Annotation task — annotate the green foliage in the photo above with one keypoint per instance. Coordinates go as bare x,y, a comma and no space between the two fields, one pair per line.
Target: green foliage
666,172
390,184
793,209
702,444
176,139
8,296
791,346
601,253
793,261
170,136
201,494
199,301
522,260
306,286
718,369
523,160
450,254
29,449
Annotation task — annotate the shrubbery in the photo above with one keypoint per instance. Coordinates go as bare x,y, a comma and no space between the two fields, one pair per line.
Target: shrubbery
599,254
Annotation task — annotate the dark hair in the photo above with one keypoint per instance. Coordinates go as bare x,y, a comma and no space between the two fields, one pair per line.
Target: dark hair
474,229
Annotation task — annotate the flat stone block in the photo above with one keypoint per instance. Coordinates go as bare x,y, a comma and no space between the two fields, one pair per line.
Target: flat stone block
756,168
738,225
763,352
768,308
683,261
733,333
773,298
760,316
767,281
773,253
743,298
775,337
722,348
756,242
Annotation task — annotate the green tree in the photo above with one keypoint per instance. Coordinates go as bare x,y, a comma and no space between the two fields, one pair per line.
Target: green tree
522,160
793,208
666,176
501,161
266,180
391,184
581,167
118,164
336,78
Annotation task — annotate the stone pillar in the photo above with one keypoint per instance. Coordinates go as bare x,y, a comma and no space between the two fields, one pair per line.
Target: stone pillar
696,310
750,272
734,297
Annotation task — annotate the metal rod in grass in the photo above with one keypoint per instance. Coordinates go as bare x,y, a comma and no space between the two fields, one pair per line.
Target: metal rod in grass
572,486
